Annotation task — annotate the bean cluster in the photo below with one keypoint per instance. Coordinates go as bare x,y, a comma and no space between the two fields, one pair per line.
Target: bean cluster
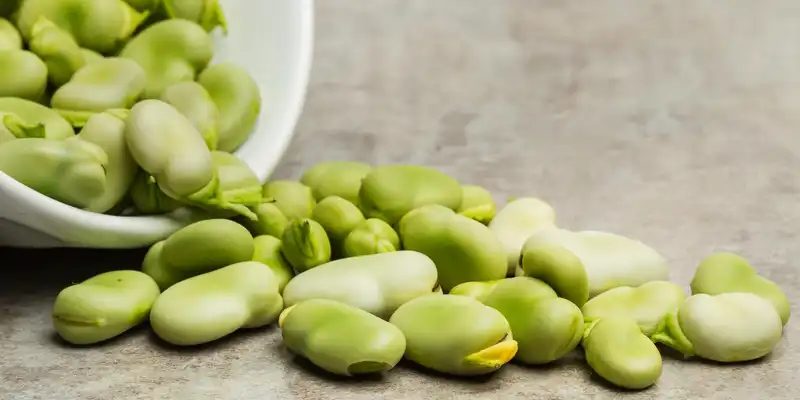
361,266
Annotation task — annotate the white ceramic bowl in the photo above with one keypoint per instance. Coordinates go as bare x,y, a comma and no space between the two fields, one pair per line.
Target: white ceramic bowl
273,40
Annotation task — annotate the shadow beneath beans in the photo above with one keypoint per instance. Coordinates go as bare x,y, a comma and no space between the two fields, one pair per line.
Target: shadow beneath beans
234,338
475,380
54,338
670,353
308,367
595,378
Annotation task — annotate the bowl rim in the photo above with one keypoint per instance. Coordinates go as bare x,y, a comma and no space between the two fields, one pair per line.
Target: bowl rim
171,221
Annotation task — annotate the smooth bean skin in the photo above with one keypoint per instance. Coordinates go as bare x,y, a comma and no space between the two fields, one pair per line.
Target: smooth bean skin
103,306
170,51
377,283
341,339
70,171
517,221
27,116
269,220
210,306
727,272
90,56
107,130
208,245
463,249
58,49
389,192
648,304
336,178
559,268
293,198
477,203
194,102
99,25
480,290
148,198
238,101
22,74
610,260
727,327
154,266
267,250
10,39
206,13
111,83
371,237
197,248
617,350
305,244
455,334
545,326
338,217
166,145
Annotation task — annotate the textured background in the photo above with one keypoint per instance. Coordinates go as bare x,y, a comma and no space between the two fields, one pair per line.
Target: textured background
673,122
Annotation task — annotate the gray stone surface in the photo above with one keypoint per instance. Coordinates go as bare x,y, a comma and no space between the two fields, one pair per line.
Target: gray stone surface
674,122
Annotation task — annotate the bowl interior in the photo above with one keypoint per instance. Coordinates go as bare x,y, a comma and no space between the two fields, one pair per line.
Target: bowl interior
271,39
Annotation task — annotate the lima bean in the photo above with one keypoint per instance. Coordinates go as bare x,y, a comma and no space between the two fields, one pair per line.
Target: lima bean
293,198
477,203
166,145
107,130
213,305
727,272
238,101
336,178
58,49
197,248
338,217
267,250
377,283
22,74
517,221
559,268
206,13
194,102
648,304
389,192
111,83
610,260
169,51
341,339
10,39
103,306
463,249
22,118
70,171
269,220
99,25
728,327
617,350
455,334
545,326
371,237
305,244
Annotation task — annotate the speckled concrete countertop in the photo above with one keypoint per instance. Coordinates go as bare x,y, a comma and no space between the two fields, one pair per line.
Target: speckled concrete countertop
672,122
